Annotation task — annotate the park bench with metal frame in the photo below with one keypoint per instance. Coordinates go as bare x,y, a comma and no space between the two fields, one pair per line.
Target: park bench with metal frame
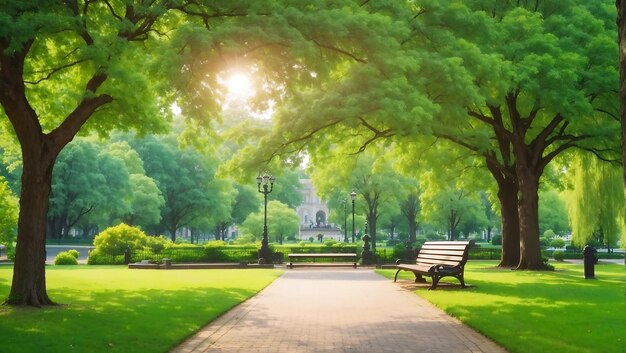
351,256
438,259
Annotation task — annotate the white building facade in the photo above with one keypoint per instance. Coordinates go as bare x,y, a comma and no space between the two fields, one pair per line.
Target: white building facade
313,213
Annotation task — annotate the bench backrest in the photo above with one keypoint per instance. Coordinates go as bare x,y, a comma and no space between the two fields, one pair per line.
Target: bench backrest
451,253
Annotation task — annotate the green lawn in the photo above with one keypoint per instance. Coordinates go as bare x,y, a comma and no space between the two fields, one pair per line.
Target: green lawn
113,309
536,312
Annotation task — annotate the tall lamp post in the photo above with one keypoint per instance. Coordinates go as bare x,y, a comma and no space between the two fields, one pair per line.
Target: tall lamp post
353,196
265,255
345,220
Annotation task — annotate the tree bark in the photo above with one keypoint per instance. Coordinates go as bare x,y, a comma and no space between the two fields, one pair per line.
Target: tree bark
410,208
530,251
372,218
507,195
29,276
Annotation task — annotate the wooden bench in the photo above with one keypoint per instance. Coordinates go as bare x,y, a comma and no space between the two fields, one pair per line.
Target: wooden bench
438,259
351,256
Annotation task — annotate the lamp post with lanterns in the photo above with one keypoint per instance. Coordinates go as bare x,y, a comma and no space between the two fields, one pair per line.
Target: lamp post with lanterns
267,181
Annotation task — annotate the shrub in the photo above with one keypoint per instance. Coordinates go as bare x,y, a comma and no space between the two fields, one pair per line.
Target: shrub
215,244
245,239
544,242
546,266
558,255
302,243
549,234
115,240
496,240
433,236
557,243
74,253
157,244
11,253
97,257
65,258
399,251
330,242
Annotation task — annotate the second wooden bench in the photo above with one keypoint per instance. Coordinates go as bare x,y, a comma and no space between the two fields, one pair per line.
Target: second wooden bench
349,256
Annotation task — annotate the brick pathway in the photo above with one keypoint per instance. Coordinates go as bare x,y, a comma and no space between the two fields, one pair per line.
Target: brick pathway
336,311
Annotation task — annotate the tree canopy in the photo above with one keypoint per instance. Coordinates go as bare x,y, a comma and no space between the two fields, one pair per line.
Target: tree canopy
515,84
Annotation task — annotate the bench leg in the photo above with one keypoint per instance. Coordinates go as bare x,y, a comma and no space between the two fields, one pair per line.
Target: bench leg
460,277
396,276
291,265
419,278
435,281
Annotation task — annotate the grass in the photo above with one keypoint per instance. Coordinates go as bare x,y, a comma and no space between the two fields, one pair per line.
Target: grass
113,309
533,312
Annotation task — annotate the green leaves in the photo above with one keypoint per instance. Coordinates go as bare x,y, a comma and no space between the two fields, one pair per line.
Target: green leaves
8,214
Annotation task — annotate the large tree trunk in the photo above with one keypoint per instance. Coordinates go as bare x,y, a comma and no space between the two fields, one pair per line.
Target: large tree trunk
506,177
530,251
372,218
621,30
507,194
412,231
173,230
410,208
29,276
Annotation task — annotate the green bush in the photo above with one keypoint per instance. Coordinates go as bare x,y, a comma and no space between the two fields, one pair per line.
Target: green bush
215,244
496,240
433,236
549,234
544,242
97,257
399,251
66,258
74,253
330,242
157,244
11,253
558,255
115,240
557,243
245,239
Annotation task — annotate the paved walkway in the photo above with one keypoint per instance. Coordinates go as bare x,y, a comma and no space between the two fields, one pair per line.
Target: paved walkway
336,311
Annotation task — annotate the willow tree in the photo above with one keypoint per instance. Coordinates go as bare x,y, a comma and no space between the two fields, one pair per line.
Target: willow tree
70,66
621,31
596,204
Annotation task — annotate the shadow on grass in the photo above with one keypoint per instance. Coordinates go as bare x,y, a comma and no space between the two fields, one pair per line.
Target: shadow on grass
529,311
116,319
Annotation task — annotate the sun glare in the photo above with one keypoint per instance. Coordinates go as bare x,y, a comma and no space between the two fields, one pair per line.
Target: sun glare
239,85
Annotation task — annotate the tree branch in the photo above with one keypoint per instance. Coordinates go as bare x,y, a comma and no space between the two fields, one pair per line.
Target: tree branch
339,50
52,72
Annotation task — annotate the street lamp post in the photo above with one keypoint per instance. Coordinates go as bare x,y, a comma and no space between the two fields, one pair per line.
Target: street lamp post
353,196
265,255
345,220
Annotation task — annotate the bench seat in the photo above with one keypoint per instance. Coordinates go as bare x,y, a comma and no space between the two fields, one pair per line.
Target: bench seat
438,259
351,256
